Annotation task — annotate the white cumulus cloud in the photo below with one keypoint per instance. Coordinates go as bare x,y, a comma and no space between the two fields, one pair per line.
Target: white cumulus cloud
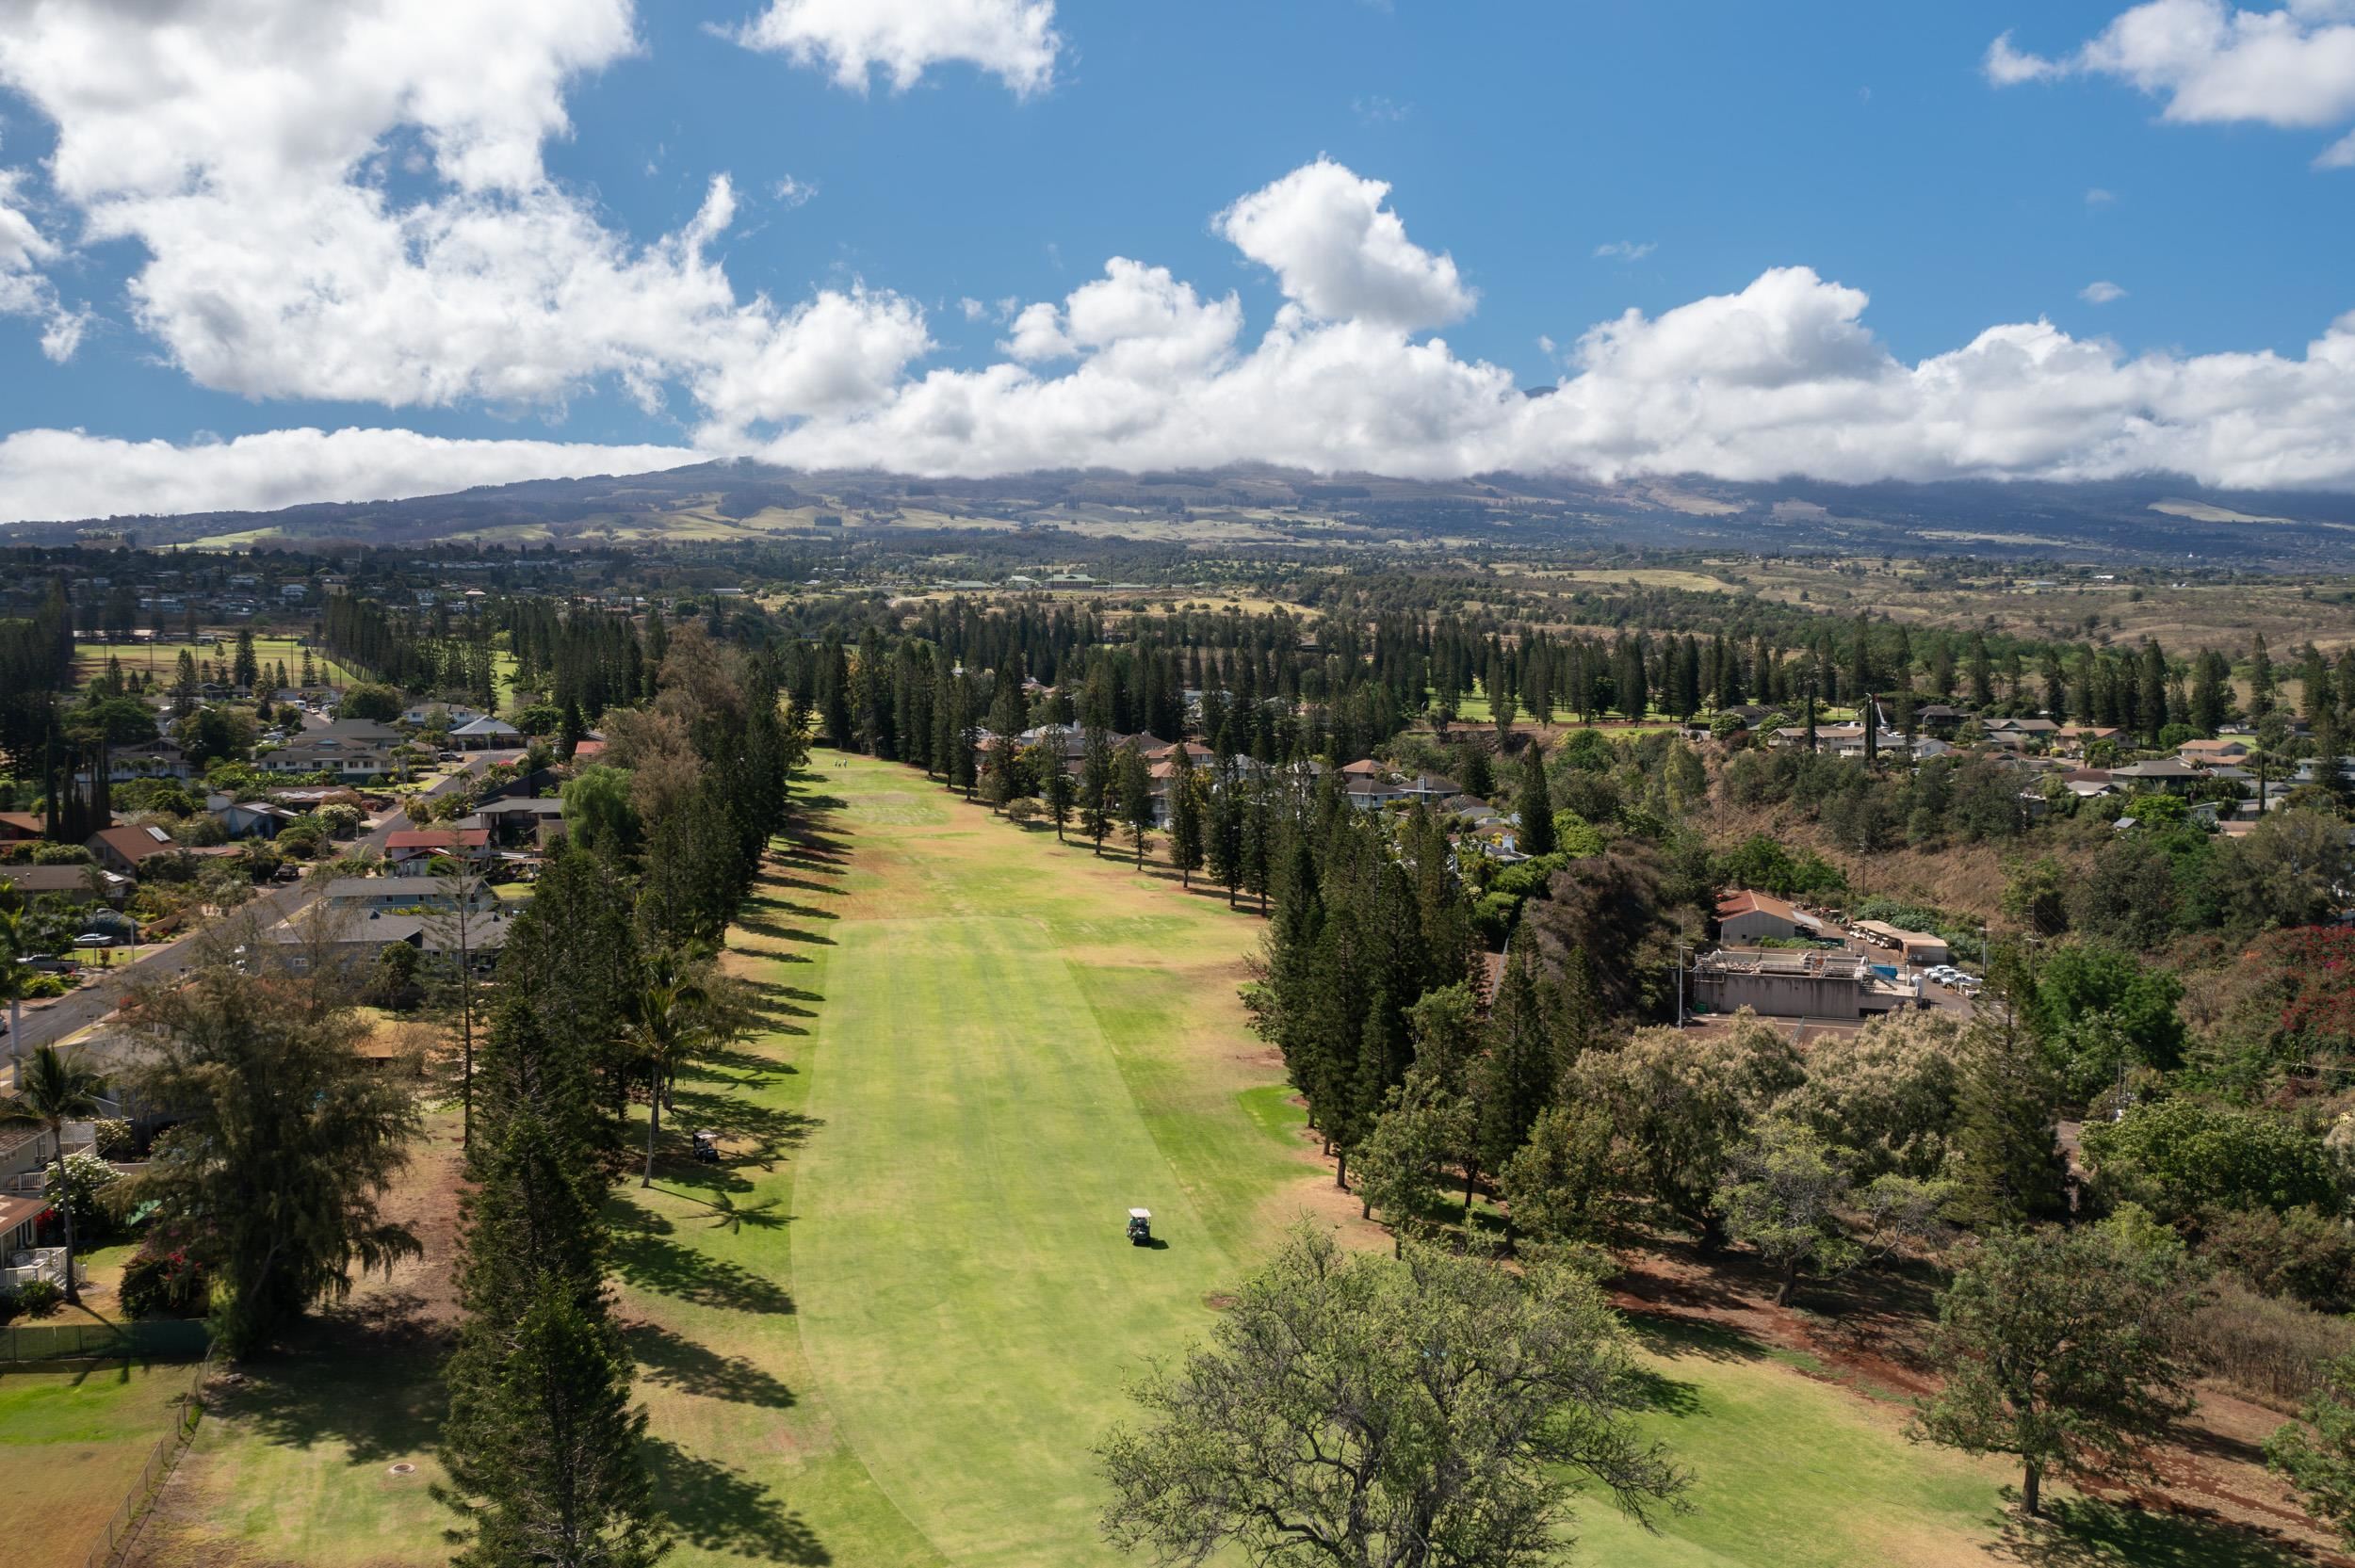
1340,253
47,474
855,40
2292,67
248,145
2100,292
24,289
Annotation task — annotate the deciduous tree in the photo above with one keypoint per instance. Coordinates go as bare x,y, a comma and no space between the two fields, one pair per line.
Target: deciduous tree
2063,1348
1356,1412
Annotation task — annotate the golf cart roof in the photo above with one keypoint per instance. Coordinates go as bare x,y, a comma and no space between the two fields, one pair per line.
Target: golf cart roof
1140,1214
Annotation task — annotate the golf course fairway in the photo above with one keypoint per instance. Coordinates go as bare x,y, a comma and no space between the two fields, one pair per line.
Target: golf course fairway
1016,1046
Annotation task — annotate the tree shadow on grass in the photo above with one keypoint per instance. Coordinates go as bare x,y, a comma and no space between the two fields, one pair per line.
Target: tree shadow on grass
1664,1394
775,1129
798,885
649,1260
718,1508
368,1377
1667,1334
784,1000
729,1059
760,925
2098,1532
676,1362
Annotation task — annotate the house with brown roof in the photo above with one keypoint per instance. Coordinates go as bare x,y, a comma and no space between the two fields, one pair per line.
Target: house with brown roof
1746,917
122,849
411,852
78,884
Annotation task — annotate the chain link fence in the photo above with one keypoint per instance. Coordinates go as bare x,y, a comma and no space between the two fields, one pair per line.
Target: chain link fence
166,1339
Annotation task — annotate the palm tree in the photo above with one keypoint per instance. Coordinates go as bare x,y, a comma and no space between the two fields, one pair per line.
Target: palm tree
668,1024
52,1090
15,933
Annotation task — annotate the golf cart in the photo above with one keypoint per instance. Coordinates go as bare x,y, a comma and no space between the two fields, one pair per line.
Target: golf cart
1140,1227
708,1147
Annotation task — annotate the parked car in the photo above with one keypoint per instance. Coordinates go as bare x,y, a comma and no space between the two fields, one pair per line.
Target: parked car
96,939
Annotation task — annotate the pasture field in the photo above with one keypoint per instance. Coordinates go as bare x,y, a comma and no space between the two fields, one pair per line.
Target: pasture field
72,1444
889,1326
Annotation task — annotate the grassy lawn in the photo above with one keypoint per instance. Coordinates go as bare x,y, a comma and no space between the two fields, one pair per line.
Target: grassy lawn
72,1444
1791,1472
161,658
1473,710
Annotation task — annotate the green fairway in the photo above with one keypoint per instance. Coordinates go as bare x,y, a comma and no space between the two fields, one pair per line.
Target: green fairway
161,658
1017,1044
72,1445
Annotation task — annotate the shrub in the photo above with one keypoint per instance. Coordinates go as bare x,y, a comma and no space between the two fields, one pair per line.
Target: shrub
162,1284
38,1298
9,1308
2301,1253
114,1138
2266,1350
87,1178
2179,1155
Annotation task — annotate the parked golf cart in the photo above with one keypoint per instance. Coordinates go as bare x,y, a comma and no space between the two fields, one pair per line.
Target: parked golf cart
708,1147
1140,1227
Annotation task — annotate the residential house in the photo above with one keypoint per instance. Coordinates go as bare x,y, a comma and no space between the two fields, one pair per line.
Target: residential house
2209,753
2073,738
350,748
123,848
249,819
487,732
517,822
354,939
2023,732
2167,774
454,714
77,884
409,852
387,894
17,827
1939,719
146,759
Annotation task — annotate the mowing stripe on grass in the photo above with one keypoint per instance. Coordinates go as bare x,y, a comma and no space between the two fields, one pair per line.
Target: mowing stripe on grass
1009,1056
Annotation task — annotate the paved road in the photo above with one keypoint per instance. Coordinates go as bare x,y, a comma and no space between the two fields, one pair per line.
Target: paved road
82,1007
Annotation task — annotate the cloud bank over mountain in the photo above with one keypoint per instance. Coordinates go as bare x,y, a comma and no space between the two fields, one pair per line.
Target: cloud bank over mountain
353,203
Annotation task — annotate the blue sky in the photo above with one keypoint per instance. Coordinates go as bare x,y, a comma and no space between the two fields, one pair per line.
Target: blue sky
1710,144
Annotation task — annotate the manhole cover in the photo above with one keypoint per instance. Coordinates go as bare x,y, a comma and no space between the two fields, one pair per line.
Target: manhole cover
403,1469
